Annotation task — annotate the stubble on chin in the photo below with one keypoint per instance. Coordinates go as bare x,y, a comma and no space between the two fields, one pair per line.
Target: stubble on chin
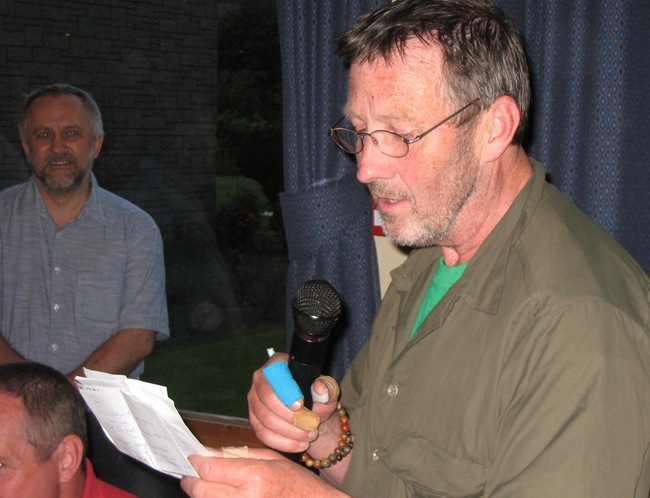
413,229
60,187
411,232
59,184
431,224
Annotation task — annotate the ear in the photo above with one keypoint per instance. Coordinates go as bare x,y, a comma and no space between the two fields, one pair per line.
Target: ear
70,454
98,146
503,121
25,148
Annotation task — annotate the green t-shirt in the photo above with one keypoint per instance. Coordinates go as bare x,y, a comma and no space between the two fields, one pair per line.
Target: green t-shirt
442,280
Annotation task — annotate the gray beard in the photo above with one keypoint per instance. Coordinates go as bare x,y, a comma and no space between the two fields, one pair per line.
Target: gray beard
73,184
431,236
435,230
61,189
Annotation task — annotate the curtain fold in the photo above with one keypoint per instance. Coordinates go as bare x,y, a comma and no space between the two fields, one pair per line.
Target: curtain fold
326,212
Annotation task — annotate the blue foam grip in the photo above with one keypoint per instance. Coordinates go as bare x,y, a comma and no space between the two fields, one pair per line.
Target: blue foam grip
279,377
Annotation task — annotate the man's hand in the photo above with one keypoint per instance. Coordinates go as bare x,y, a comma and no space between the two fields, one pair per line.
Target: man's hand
264,473
120,354
273,422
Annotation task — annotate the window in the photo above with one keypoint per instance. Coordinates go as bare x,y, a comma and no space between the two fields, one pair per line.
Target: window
190,94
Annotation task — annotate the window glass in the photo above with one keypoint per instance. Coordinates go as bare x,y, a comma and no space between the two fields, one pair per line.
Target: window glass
190,94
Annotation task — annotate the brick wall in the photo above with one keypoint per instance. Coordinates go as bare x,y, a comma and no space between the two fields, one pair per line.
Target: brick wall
152,67
150,64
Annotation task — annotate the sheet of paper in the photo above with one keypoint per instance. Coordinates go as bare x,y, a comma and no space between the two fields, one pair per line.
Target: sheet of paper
141,421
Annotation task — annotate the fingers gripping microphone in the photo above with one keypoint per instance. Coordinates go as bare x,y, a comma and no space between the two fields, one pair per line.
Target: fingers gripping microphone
316,311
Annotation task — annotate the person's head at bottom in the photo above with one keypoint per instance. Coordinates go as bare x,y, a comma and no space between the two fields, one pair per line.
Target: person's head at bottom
42,435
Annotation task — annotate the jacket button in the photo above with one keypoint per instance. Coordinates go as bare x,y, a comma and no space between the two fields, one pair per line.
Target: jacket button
392,390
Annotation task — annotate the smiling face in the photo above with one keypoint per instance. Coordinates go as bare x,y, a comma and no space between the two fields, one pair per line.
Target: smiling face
60,143
421,196
21,473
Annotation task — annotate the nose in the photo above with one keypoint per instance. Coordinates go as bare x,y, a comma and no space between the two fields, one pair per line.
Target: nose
58,143
373,165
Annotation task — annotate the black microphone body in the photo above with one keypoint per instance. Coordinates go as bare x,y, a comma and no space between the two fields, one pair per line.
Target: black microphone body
307,357
316,311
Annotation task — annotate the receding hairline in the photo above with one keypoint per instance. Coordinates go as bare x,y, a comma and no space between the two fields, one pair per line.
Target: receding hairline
57,90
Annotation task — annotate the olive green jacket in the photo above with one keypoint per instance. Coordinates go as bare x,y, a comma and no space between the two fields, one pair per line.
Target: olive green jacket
531,377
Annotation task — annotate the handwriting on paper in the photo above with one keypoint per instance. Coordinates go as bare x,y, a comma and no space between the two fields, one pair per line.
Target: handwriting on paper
141,421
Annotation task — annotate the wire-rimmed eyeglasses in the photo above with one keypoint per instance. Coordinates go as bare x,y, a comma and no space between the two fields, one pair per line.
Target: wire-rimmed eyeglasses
388,142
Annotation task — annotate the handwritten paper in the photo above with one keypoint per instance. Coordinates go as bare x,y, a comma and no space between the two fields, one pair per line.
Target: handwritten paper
141,421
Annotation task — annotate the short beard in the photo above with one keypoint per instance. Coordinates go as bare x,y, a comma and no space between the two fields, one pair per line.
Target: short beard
63,188
436,228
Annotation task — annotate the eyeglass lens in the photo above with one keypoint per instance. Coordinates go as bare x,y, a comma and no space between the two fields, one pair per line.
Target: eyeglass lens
387,142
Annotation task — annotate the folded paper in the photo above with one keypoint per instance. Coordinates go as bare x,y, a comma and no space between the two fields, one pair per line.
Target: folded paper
141,421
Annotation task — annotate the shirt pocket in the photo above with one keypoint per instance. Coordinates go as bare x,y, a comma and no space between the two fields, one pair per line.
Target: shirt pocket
99,296
427,470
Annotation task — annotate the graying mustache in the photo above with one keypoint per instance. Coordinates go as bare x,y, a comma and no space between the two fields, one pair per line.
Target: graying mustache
381,191
61,158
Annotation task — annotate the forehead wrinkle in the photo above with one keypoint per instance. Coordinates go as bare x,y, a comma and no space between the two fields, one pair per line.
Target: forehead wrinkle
410,82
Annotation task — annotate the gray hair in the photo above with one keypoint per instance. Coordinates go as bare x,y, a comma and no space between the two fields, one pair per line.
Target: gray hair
55,90
483,54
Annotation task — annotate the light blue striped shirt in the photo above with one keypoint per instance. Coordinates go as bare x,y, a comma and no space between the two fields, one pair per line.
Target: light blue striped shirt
65,291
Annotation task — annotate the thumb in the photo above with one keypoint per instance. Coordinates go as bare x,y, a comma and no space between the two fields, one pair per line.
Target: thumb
325,393
325,390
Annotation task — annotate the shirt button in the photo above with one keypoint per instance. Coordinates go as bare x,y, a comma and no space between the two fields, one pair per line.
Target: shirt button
57,269
55,346
375,455
392,390
56,307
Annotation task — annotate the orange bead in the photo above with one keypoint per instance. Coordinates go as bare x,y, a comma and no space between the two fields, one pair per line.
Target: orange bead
343,449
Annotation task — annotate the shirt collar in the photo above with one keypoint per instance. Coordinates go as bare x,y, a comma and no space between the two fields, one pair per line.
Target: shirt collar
93,209
483,281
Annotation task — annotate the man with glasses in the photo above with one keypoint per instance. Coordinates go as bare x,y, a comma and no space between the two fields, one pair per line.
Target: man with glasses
510,356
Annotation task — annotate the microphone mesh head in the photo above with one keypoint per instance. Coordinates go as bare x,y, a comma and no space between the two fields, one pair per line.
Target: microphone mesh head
316,308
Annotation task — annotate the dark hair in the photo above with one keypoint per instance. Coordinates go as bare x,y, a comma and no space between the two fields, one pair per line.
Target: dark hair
55,90
53,407
483,54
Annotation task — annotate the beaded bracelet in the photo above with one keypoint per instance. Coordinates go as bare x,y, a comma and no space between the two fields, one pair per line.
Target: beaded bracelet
340,452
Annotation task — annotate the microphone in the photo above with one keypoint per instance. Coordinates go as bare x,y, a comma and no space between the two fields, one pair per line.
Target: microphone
316,311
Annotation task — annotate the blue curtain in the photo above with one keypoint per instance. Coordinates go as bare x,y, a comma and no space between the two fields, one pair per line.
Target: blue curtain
591,79
327,213
589,125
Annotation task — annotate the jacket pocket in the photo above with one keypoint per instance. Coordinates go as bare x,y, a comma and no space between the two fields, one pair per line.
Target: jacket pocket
427,470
